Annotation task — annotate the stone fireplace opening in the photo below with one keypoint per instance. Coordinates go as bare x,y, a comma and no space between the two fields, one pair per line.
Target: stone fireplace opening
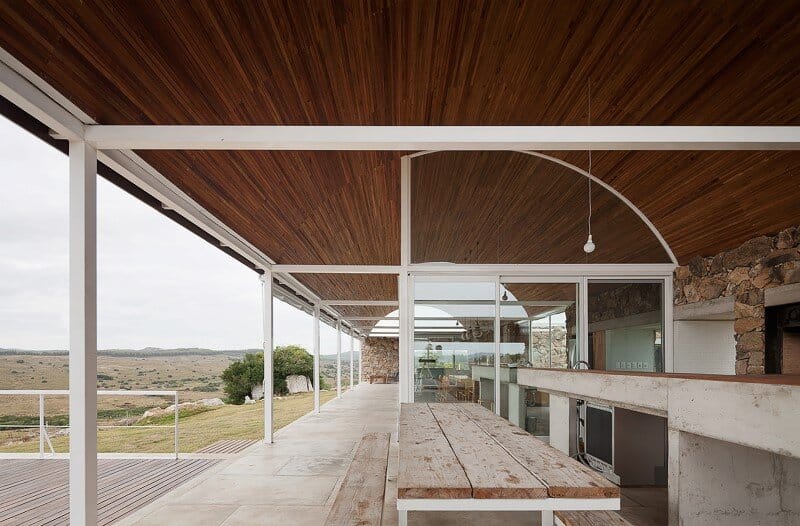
782,339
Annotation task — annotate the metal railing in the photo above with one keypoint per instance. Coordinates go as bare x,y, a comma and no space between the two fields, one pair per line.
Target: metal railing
44,436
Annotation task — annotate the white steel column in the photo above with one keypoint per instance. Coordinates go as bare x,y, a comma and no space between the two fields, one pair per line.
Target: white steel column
338,358
352,366
403,355
82,334
582,328
316,357
497,345
267,312
667,341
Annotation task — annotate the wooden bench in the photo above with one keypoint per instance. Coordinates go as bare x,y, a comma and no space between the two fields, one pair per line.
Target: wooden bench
359,501
590,518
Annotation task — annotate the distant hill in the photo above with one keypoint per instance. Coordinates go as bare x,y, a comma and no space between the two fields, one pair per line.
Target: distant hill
147,351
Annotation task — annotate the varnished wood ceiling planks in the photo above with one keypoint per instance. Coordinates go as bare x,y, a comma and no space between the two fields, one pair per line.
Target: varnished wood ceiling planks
438,63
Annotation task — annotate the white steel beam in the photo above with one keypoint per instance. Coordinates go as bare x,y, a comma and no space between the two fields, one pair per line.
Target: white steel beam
339,359
316,358
535,272
29,98
405,138
359,303
82,334
337,269
267,312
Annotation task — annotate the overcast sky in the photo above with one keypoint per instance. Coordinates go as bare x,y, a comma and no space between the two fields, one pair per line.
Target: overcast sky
159,285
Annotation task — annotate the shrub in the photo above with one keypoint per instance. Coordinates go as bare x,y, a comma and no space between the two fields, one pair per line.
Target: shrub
241,375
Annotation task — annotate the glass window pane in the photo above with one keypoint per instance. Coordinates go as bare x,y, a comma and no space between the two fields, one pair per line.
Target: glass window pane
626,321
537,322
454,341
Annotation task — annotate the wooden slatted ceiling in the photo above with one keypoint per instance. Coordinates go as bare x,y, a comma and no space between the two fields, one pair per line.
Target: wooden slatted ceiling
508,207
439,63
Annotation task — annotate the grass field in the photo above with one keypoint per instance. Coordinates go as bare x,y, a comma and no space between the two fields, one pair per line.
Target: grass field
194,376
195,431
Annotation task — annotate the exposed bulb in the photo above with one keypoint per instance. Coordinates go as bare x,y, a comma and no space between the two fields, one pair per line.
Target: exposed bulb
505,296
589,246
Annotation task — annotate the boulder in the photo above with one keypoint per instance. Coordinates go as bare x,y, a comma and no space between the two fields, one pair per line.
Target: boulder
296,383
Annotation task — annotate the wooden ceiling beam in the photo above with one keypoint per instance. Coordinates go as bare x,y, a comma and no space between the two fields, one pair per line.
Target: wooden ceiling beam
451,138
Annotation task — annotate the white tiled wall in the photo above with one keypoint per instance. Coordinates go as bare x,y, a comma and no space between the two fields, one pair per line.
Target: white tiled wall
704,347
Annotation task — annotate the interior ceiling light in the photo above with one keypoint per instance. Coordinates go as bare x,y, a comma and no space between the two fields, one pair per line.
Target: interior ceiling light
589,246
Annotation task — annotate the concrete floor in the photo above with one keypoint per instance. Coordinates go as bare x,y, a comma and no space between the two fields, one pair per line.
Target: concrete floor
294,481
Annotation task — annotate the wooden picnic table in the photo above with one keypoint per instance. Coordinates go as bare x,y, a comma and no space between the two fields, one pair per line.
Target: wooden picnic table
461,456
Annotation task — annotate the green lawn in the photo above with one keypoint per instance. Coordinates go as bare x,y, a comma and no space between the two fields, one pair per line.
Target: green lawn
196,430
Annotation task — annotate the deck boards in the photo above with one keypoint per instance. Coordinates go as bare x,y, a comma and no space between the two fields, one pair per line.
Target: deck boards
37,492
452,451
227,447
359,501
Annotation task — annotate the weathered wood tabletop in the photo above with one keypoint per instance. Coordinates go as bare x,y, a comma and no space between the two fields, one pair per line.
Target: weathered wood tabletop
464,451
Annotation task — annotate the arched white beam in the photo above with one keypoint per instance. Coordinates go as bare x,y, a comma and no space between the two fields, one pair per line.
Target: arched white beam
600,182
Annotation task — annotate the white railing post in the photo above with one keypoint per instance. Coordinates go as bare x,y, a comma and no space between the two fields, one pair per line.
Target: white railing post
41,426
267,312
316,357
82,334
338,358
176,425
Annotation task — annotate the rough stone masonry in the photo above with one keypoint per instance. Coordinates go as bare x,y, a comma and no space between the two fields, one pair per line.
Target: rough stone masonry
744,273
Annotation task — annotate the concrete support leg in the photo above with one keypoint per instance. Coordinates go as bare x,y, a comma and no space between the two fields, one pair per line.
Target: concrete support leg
673,475
563,428
82,334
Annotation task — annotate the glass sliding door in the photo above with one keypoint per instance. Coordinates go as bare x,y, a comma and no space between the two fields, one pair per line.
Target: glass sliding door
538,328
453,344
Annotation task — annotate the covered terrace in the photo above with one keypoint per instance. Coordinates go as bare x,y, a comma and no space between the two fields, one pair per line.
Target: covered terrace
502,163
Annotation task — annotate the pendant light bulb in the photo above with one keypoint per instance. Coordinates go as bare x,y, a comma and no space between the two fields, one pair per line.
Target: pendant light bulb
589,246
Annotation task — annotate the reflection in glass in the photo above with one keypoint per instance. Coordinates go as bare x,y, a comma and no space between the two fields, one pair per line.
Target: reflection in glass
626,322
537,325
454,342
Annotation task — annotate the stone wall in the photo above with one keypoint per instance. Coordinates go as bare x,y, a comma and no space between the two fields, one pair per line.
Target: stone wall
623,301
743,273
379,356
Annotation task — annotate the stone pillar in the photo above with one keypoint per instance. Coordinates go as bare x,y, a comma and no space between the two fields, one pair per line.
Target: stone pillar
749,327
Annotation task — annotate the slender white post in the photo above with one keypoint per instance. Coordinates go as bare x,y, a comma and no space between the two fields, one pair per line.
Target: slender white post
403,354
352,366
338,358
582,328
176,425
667,342
497,345
316,358
41,426
360,357
82,334
267,313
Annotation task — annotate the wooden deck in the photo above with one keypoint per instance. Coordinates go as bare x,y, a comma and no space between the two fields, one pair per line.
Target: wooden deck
36,492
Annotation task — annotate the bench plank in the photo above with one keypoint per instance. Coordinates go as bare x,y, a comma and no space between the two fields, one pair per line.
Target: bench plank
491,470
428,467
564,477
359,501
591,518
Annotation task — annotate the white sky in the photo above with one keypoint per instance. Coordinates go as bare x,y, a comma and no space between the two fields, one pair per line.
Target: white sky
159,284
